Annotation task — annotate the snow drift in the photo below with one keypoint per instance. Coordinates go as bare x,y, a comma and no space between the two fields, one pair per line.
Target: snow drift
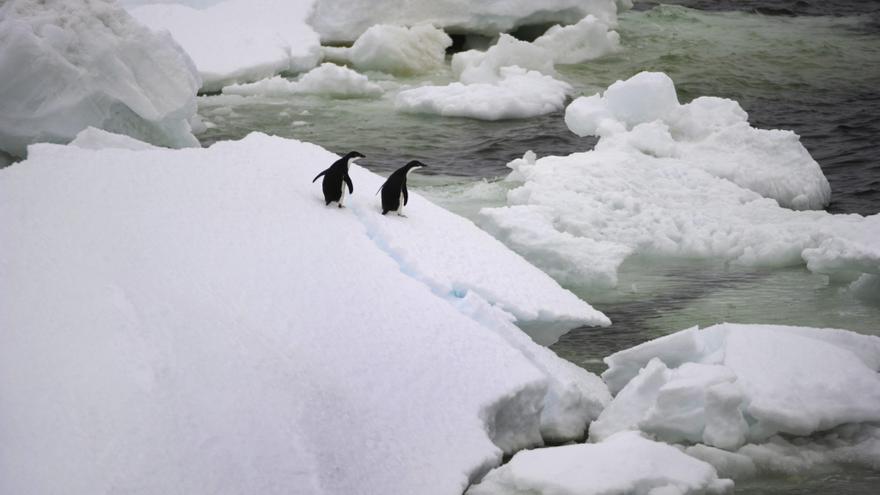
74,64
197,320
236,41
670,180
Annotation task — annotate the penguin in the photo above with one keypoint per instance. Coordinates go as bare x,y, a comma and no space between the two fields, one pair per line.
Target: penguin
394,193
336,178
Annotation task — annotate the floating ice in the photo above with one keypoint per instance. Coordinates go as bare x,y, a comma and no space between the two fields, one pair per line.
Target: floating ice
709,133
70,65
198,320
729,384
395,49
518,94
237,41
345,20
587,40
645,191
626,463
475,66
327,79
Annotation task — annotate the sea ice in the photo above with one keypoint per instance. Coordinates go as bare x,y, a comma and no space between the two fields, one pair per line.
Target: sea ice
395,49
589,39
197,320
625,464
517,94
236,41
686,184
728,384
345,20
327,79
70,65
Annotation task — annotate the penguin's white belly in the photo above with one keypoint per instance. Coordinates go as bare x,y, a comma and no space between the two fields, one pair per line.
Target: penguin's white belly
400,206
342,193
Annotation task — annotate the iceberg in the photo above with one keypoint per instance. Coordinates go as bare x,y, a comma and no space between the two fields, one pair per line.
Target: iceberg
345,20
626,463
653,187
238,41
70,65
395,49
197,320
326,80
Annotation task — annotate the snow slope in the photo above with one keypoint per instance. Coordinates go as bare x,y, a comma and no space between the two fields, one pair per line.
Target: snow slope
236,41
79,63
198,321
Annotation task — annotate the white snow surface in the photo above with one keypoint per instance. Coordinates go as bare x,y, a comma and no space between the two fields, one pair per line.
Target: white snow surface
395,49
729,384
345,20
197,320
642,191
519,93
626,463
589,39
79,63
236,41
326,80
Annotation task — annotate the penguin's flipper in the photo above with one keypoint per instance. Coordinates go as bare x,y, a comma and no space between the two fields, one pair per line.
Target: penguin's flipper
381,187
350,185
405,194
319,175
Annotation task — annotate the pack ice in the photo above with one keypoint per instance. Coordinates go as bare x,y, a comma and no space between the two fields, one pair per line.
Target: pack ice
198,321
626,463
513,79
667,179
238,41
73,64
751,396
345,20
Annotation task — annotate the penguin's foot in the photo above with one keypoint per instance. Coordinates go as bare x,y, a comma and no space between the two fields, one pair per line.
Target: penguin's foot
341,206
402,215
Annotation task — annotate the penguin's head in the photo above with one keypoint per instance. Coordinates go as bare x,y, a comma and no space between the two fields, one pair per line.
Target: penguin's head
351,156
414,165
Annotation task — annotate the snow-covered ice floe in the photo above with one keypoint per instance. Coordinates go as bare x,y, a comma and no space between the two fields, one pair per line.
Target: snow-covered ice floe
395,49
70,65
345,20
666,179
625,464
750,397
513,78
197,320
236,41
326,80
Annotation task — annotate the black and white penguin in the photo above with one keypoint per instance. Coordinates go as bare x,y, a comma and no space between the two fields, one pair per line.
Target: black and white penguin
394,193
336,178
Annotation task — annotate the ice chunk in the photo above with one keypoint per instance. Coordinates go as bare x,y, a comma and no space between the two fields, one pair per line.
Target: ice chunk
327,79
198,320
648,190
518,94
70,65
708,133
236,41
345,20
96,139
764,380
626,463
395,49
474,66
587,40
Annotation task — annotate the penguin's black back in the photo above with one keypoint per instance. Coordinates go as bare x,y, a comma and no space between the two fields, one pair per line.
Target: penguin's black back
392,189
334,177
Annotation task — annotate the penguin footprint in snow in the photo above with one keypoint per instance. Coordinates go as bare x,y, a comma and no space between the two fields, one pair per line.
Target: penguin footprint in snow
394,193
336,178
